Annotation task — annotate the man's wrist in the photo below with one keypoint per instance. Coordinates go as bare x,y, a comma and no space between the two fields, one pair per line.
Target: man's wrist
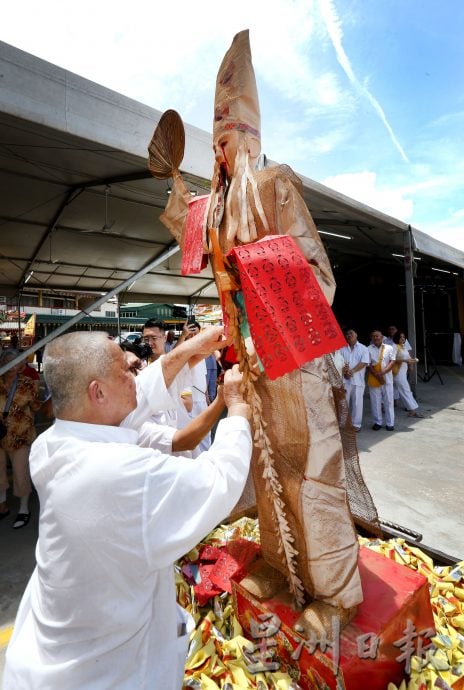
240,409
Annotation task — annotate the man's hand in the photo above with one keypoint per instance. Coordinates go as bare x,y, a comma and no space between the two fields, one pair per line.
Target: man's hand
186,397
192,351
188,331
233,396
233,386
205,343
347,373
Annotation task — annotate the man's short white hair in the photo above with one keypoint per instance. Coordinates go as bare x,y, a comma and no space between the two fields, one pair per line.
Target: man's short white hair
71,362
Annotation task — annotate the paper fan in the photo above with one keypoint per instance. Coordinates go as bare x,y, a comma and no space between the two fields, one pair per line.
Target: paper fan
166,148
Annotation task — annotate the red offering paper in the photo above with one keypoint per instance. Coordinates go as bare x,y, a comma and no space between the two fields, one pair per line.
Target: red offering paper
192,245
290,319
232,563
206,589
243,550
209,553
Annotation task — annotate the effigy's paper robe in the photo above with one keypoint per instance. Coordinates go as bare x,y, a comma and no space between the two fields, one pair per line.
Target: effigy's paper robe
290,319
192,242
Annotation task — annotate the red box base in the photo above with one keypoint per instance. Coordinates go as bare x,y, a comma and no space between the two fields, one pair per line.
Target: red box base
395,597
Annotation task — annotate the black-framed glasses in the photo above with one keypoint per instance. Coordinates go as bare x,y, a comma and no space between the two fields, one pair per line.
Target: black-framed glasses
151,338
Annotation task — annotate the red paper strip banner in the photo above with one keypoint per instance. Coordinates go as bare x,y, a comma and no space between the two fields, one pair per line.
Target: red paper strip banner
290,319
192,245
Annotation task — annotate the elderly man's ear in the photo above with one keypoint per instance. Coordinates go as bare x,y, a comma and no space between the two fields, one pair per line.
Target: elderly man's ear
96,392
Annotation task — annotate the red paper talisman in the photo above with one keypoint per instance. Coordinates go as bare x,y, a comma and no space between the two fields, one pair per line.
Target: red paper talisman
192,241
233,562
206,589
290,320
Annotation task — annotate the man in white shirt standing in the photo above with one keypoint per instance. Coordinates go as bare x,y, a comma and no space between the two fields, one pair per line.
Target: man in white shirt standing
100,608
177,416
199,387
355,358
380,381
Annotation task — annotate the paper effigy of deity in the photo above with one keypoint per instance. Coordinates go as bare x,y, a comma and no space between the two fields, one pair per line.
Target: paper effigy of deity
276,286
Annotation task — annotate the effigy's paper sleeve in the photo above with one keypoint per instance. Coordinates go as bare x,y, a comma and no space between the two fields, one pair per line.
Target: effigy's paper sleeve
193,260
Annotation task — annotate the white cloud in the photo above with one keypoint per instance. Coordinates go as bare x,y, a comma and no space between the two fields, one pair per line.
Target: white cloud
449,230
363,187
314,114
406,203
169,57
334,29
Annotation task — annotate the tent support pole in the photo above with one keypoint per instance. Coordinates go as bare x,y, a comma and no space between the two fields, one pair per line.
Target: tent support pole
410,308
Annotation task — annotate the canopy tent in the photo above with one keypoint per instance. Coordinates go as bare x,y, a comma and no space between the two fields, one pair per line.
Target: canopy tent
80,212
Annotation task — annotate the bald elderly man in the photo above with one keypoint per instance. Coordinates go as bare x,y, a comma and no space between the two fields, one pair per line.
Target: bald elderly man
100,608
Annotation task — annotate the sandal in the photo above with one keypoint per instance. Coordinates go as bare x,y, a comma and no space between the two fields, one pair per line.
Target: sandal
22,520
415,414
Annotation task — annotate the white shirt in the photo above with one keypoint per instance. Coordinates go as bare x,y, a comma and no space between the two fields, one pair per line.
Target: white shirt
353,357
160,428
199,384
152,394
100,609
388,355
154,399
158,436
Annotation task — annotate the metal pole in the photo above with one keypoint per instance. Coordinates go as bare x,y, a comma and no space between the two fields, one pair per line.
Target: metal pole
410,306
18,306
172,249
119,316
424,336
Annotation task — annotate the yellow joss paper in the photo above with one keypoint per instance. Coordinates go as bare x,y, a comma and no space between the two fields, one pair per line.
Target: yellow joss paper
400,555
282,681
207,683
440,661
456,574
193,554
421,556
239,674
196,642
392,686
216,647
416,664
236,627
445,586
201,656
234,646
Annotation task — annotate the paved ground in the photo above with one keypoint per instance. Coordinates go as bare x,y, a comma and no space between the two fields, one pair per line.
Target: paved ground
415,474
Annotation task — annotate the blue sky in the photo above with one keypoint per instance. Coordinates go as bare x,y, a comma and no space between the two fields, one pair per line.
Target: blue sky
365,96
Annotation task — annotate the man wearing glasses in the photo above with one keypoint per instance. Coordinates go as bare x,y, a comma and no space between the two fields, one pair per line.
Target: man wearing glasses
154,335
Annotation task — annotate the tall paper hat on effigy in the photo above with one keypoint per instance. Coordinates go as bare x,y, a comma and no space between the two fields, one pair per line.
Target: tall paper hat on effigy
236,109
236,104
